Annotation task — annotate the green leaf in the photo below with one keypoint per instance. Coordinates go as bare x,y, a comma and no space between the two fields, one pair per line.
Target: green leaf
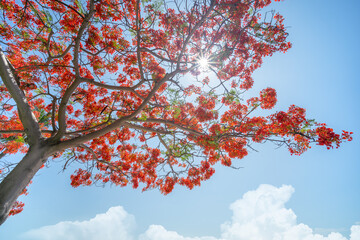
81,9
44,118
143,117
17,31
251,11
48,18
20,140
177,113
158,5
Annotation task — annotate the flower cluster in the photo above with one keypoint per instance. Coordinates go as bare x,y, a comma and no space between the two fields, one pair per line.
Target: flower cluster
268,98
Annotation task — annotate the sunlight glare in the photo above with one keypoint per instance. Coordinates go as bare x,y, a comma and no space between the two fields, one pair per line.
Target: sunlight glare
203,63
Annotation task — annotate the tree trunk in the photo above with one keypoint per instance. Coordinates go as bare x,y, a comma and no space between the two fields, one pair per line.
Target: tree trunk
16,181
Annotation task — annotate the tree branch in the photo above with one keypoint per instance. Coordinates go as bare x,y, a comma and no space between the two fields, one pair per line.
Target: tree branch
71,8
171,123
27,118
117,123
77,81
147,129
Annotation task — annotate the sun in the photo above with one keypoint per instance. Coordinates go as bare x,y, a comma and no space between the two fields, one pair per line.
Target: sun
203,63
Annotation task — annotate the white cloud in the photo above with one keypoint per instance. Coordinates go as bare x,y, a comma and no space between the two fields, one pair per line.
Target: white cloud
259,215
355,232
115,224
160,233
262,215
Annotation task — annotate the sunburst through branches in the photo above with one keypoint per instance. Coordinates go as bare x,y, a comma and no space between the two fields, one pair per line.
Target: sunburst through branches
203,63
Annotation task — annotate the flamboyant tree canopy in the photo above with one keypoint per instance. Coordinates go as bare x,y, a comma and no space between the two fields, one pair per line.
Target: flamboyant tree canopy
147,93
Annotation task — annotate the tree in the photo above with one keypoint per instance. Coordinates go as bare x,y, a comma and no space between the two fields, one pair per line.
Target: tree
139,92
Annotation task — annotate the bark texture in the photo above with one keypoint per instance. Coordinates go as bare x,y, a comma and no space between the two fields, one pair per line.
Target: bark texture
15,182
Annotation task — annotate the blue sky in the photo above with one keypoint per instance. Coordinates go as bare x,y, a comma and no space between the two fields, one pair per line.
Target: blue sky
321,187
